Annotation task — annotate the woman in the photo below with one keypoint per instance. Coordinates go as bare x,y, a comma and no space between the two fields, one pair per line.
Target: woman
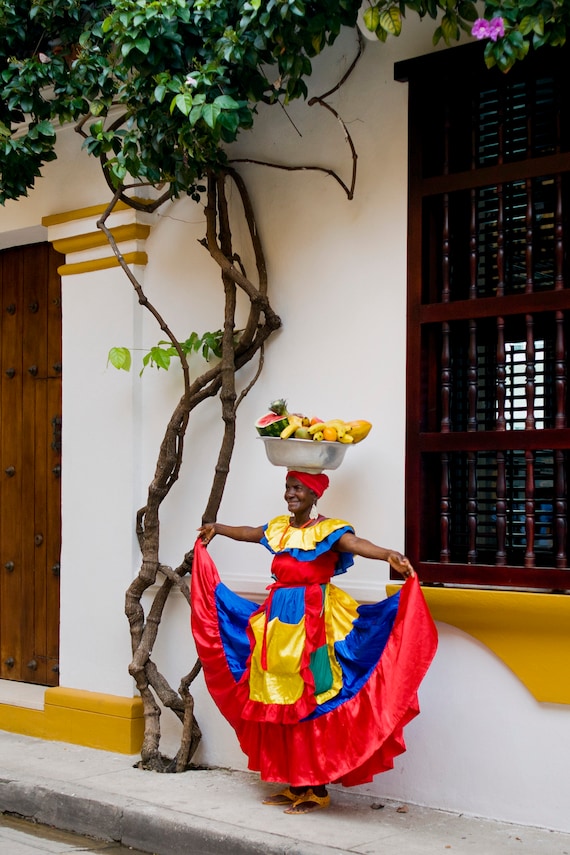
317,688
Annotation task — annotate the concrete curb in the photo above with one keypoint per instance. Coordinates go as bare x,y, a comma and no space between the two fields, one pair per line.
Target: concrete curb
150,829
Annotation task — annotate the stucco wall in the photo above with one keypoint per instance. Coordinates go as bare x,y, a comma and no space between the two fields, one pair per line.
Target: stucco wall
337,272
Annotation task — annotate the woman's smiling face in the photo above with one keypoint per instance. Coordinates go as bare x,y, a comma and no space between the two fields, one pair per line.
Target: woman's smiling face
298,497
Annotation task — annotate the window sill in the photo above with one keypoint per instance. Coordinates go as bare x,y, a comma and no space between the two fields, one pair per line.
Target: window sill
527,631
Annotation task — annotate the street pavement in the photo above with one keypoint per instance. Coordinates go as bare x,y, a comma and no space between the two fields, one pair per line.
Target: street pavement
102,796
20,837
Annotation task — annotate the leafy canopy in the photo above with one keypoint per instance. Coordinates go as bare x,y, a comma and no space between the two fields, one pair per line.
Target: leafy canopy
160,87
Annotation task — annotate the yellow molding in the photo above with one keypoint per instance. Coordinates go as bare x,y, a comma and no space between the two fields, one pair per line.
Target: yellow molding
107,722
90,240
140,258
83,213
22,720
529,632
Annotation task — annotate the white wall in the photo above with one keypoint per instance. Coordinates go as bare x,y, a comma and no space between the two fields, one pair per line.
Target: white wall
100,459
337,273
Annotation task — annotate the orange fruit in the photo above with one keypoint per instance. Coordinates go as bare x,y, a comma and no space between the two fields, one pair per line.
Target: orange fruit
315,420
330,434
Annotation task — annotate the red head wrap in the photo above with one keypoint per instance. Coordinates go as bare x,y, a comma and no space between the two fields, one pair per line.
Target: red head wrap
317,483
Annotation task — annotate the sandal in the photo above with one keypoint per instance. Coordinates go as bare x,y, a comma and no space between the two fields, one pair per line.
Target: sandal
308,802
285,797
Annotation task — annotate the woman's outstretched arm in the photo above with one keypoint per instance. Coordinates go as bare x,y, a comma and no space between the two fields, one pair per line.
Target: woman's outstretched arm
349,542
247,533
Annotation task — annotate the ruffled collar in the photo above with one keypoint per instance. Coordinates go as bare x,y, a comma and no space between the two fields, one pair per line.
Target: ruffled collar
280,535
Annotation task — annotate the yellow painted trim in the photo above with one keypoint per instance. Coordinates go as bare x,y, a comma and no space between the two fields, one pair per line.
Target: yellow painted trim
529,632
107,722
140,258
83,213
79,214
78,243
22,720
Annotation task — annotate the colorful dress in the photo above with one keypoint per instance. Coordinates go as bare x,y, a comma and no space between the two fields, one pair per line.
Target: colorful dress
317,688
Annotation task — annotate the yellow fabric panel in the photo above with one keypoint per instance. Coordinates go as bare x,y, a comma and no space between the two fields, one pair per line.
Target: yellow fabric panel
282,682
340,612
280,535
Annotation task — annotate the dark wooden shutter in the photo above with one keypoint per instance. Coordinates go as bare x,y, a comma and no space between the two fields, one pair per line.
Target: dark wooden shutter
488,320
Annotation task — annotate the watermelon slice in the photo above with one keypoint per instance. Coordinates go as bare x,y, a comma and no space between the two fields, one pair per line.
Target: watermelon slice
271,424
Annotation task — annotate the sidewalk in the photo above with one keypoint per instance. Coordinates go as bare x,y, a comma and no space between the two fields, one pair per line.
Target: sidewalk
100,794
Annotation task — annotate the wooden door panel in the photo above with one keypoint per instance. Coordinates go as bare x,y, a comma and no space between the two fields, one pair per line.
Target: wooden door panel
33,494
53,453
30,524
11,468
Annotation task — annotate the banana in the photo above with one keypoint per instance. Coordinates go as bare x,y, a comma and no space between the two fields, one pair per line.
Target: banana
318,435
289,430
346,438
296,420
315,428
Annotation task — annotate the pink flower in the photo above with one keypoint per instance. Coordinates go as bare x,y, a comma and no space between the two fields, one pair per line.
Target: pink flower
496,28
493,29
480,29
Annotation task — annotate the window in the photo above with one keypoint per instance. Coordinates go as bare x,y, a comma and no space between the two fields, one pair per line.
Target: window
488,320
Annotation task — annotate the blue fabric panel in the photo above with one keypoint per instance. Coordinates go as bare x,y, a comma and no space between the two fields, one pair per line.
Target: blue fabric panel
233,616
359,653
288,604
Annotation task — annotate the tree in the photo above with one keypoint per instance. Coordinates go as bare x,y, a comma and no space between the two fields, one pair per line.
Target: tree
158,91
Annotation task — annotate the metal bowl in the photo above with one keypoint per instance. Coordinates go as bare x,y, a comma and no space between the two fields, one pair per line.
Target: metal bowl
305,455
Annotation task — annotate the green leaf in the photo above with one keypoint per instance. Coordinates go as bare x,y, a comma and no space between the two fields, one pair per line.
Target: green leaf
195,114
449,28
210,113
539,41
143,44
45,128
120,358
190,344
160,92
318,42
391,21
160,358
183,101
226,102
371,18
230,121
526,25
468,11
539,25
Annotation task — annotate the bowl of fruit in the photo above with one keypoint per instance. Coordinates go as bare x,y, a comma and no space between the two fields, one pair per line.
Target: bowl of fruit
306,443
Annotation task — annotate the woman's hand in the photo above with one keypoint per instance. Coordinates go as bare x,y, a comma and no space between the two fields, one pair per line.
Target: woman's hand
207,532
401,564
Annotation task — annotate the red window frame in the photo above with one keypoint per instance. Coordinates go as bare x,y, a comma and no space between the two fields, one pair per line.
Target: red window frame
486,203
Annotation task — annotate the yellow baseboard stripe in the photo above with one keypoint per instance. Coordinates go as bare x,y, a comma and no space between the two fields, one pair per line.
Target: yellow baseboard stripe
107,722
529,632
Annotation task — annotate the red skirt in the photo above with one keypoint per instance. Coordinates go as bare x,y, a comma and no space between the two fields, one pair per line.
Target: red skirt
352,736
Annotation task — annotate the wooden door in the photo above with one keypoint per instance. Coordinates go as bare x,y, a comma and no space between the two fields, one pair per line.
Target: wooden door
30,463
